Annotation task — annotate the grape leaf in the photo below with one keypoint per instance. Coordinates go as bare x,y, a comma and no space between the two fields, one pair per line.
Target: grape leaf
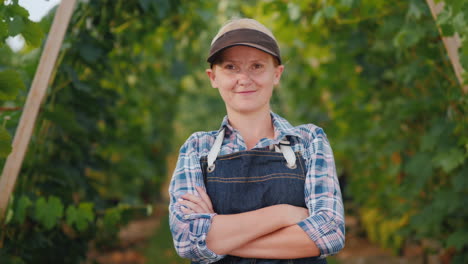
112,218
48,212
450,160
81,216
10,84
3,31
419,170
15,26
19,10
21,209
458,239
33,33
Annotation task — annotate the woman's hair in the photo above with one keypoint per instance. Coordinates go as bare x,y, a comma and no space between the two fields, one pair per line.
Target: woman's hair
238,23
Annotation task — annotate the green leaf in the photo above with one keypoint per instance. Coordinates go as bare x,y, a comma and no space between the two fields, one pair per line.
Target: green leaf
447,29
415,10
347,3
10,84
71,214
5,142
90,53
318,16
294,11
21,209
445,16
63,117
160,6
33,34
460,181
3,31
112,218
459,239
409,35
431,138
329,11
450,160
19,10
81,216
455,4
15,26
145,4
48,212
419,170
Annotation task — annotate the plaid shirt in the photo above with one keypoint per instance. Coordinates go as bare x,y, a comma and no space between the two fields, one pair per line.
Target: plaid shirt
325,225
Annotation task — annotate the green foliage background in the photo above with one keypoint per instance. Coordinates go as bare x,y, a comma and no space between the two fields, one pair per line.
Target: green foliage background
130,87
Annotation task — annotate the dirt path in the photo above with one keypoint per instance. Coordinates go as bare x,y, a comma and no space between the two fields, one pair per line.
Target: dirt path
132,239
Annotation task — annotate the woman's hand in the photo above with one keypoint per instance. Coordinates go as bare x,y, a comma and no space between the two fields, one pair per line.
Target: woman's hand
295,214
196,204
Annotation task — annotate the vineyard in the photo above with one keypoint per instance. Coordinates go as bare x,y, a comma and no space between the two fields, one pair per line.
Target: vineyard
129,86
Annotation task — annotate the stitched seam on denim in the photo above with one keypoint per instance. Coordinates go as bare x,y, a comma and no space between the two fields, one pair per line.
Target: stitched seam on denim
259,177
271,178
299,156
246,153
251,154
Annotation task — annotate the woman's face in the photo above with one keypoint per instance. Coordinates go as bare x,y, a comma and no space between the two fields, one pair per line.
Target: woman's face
245,79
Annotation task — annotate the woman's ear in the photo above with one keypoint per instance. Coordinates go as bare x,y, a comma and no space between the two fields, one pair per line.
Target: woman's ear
211,74
278,72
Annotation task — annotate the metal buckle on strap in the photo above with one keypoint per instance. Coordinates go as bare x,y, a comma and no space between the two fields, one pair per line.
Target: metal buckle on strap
211,168
288,154
214,151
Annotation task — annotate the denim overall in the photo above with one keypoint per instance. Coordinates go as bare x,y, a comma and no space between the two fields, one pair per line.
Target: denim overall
250,180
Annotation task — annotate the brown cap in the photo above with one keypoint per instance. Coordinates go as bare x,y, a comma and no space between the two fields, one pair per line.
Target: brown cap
244,37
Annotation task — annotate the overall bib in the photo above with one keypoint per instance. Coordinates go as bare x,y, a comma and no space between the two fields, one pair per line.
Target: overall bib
250,180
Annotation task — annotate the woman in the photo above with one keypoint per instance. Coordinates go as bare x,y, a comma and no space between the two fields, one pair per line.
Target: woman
258,190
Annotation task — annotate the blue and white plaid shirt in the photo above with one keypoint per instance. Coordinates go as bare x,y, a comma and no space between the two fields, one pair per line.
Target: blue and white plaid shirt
325,225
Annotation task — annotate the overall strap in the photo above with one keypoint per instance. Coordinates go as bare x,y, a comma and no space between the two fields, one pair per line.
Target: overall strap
284,145
288,153
215,149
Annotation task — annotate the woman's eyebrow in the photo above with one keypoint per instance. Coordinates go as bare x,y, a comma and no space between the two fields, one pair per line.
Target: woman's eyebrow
249,61
231,60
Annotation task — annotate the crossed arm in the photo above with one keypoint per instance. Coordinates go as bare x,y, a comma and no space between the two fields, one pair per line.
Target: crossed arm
277,237
274,232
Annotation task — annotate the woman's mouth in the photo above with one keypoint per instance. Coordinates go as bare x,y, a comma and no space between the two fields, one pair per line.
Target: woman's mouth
246,92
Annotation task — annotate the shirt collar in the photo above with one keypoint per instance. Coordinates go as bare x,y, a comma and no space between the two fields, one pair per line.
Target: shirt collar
282,127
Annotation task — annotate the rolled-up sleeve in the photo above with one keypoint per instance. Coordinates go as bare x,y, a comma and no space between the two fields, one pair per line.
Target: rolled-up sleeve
325,225
189,230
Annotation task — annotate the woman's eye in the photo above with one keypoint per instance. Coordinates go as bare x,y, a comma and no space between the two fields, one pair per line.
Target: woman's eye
257,66
229,67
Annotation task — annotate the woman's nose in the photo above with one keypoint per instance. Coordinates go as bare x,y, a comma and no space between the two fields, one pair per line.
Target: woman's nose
243,78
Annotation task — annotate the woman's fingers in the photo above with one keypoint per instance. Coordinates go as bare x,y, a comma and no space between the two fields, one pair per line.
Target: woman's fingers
205,198
195,203
185,210
196,208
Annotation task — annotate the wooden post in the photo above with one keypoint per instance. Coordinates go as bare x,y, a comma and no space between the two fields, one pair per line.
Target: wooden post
33,102
452,44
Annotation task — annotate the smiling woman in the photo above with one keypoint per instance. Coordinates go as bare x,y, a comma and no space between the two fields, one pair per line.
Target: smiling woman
257,168
245,78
